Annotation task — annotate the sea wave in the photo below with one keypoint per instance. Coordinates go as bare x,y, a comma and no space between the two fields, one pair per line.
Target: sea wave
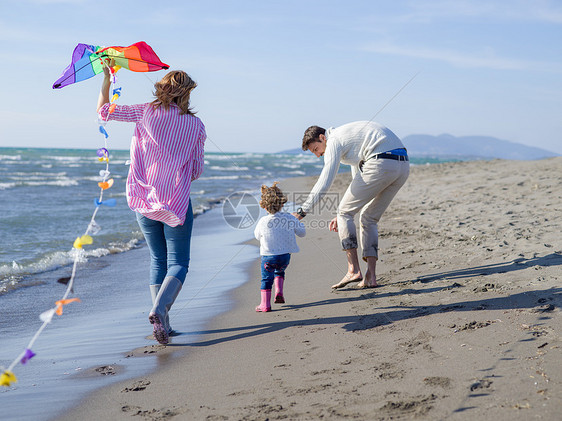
59,183
14,182
6,186
286,165
10,157
232,156
225,177
231,168
64,158
12,274
18,175
119,161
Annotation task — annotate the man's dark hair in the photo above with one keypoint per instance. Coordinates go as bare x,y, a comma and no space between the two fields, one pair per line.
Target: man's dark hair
311,135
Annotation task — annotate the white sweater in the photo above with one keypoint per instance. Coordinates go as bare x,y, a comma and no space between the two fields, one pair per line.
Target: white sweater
349,144
276,234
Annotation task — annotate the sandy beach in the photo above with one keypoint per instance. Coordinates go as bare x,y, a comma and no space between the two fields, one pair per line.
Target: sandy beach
465,324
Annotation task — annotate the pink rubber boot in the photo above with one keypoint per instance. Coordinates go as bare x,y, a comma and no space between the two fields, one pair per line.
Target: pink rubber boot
265,304
279,289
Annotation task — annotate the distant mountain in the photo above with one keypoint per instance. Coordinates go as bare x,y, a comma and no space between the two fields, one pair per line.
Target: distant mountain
464,147
474,147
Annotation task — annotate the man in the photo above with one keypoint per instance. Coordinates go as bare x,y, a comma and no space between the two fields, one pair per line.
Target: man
379,168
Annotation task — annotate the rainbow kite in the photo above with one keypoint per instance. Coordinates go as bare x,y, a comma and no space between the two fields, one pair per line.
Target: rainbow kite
87,61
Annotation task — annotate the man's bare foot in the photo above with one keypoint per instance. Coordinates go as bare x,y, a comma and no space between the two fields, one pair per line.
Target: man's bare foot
348,279
367,284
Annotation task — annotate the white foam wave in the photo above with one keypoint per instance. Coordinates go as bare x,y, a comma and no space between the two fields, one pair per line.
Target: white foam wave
59,183
64,158
210,158
225,177
6,186
252,155
51,261
62,258
232,157
284,165
35,175
10,157
231,168
304,159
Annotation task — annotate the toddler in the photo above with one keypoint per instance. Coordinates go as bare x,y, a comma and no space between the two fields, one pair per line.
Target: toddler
276,234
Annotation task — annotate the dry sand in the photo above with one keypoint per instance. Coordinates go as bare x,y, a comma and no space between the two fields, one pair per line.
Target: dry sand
465,325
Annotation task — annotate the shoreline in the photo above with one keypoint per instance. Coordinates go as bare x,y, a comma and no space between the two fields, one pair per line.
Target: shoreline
465,323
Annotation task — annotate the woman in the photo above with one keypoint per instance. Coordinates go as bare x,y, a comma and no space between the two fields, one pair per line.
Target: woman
166,156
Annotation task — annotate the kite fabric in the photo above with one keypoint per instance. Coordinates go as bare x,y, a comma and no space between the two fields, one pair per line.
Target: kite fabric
87,61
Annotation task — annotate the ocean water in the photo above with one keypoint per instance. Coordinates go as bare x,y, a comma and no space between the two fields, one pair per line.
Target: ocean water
48,197
47,200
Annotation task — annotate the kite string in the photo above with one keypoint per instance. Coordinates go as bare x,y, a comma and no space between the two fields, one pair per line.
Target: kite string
394,96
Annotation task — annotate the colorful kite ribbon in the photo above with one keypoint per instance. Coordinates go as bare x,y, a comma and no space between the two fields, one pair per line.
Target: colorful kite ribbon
7,376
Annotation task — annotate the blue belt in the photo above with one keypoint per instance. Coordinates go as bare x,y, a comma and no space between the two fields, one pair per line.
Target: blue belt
400,154
387,155
395,154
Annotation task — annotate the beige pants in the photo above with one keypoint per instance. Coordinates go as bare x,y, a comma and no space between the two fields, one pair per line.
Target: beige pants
370,192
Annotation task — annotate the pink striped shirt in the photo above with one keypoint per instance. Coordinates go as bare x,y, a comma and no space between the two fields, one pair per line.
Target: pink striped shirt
167,153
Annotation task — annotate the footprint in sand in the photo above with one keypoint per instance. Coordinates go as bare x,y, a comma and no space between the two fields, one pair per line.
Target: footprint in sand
474,325
480,384
443,382
416,406
543,309
137,386
152,414
106,370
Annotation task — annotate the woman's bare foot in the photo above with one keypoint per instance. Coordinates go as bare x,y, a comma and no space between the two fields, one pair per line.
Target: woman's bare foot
348,279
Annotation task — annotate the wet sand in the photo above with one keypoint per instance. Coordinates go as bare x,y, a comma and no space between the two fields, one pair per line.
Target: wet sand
465,324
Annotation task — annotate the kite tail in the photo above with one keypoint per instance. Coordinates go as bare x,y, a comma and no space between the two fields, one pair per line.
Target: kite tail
7,376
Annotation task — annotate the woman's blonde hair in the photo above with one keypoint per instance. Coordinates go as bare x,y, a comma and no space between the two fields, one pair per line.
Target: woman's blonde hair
272,198
174,88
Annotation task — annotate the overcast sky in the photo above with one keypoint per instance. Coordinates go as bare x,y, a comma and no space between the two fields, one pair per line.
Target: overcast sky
269,69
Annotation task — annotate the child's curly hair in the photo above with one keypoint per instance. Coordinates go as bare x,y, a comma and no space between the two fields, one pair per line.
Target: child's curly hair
272,198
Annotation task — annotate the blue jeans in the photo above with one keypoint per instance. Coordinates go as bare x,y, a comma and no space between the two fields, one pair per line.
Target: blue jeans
272,266
169,247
